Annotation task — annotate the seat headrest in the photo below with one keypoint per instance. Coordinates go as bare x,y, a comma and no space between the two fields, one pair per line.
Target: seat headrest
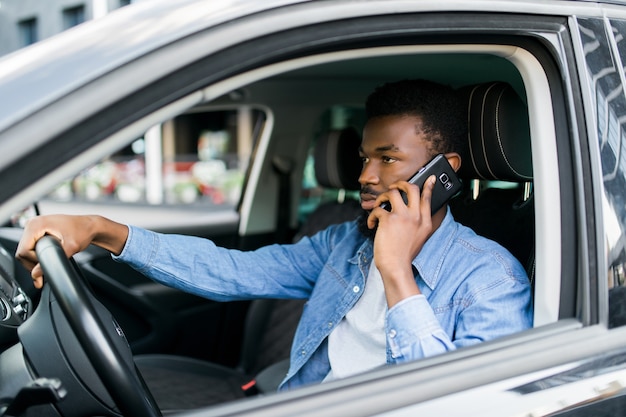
498,134
337,161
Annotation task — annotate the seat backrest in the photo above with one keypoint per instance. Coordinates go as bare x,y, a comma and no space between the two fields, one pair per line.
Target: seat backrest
271,324
498,134
337,166
498,149
337,160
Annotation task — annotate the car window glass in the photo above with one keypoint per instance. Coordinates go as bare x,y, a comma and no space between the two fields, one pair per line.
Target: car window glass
605,72
197,158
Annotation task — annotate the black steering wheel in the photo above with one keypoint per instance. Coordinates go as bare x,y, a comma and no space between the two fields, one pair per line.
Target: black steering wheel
121,380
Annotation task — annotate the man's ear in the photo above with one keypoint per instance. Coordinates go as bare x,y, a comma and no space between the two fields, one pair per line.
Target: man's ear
454,159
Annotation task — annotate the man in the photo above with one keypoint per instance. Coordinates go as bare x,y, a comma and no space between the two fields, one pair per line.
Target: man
394,286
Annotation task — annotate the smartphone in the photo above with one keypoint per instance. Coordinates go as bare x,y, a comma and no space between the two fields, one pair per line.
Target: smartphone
447,183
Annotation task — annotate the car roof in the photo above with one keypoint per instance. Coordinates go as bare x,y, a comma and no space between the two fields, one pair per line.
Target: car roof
50,68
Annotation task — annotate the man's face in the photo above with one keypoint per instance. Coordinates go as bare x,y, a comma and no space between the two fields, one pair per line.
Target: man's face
393,149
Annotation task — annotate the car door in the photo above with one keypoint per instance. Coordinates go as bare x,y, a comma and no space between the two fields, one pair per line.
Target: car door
330,42
509,375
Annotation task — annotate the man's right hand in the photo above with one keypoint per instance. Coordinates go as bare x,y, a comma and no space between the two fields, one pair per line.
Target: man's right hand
74,232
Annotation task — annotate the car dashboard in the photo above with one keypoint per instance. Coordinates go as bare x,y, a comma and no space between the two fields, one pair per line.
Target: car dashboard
15,304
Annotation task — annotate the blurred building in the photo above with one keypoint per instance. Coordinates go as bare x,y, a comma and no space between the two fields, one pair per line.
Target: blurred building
24,22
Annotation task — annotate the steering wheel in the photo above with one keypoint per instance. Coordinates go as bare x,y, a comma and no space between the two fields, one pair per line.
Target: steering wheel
76,302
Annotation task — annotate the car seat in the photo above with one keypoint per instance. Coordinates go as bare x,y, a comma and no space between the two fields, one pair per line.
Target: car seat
498,150
179,383
337,167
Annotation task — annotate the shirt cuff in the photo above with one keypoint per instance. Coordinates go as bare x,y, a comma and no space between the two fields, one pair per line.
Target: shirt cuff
140,248
413,331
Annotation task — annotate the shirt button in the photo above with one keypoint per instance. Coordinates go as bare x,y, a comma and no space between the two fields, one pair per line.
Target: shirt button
330,324
392,333
356,288
303,352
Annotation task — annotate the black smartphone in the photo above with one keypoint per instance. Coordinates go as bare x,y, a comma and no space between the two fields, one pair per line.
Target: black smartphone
446,185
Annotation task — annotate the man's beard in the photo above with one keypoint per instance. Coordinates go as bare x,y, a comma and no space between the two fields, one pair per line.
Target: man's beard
362,224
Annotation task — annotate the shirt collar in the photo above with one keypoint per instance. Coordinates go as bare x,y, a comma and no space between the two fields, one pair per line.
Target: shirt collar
430,259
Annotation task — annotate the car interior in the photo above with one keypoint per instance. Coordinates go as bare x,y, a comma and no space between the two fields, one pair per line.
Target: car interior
193,352
499,151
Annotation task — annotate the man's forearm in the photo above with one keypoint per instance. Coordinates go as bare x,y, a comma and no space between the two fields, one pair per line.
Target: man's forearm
108,234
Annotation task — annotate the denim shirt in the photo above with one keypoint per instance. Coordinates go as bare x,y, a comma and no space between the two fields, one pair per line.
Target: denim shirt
472,289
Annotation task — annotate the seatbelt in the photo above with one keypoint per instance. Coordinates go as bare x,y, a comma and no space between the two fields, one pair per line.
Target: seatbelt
283,166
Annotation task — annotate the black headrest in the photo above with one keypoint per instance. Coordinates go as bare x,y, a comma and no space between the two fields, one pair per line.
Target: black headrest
498,134
337,161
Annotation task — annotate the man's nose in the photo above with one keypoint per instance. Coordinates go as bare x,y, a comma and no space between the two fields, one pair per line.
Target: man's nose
368,175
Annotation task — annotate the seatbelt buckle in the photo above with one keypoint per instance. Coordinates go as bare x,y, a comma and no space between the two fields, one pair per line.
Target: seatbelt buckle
249,388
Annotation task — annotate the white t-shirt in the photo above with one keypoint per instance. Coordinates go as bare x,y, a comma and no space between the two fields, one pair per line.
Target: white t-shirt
358,343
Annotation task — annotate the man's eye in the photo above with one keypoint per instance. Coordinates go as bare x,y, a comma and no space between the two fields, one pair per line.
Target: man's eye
365,159
387,159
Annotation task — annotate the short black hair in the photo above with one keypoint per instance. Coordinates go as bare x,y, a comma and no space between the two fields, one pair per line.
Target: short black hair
439,107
